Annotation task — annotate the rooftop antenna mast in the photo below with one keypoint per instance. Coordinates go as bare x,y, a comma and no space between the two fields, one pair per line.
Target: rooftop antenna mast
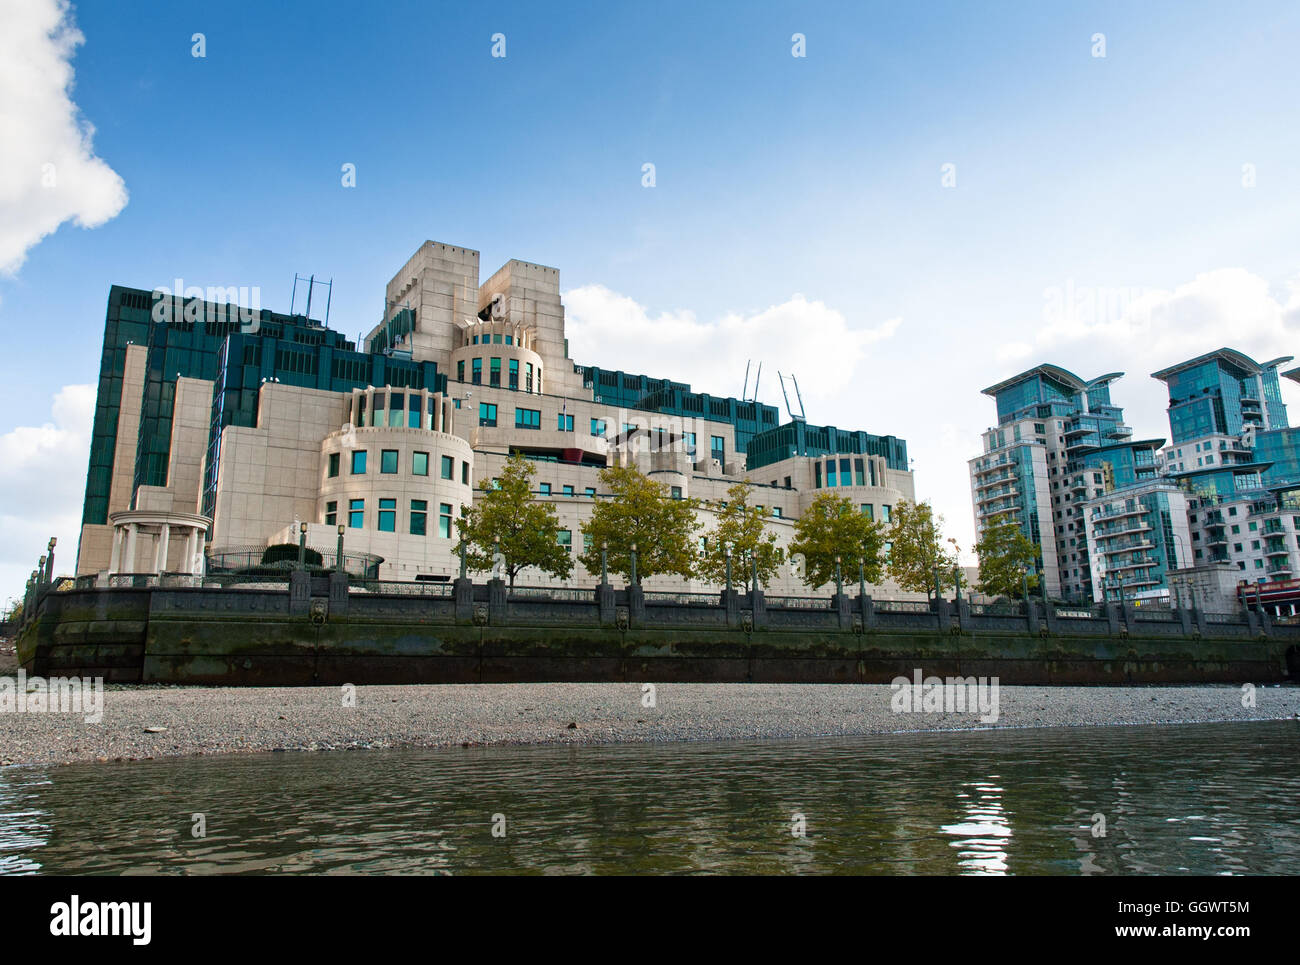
801,417
744,392
311,284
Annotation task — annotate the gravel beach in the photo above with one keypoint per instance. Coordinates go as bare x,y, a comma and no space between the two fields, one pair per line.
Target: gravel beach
148,722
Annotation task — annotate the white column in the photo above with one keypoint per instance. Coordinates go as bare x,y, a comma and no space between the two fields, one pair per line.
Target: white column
128,565
160,554
115,560
190,548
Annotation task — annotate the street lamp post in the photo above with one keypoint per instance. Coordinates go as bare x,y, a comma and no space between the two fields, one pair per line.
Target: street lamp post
302,545
633,567
604,561
49,566
338,553
862,578
727,549
839,586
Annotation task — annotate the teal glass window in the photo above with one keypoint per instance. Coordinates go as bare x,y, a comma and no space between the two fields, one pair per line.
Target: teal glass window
565,538
444,520
494,373
419,515
334,464
356,513
476,372
831,477
332,513
597,427
514,372
487,414
464,473
528,418
359,462
419,464
387,515
388,461
448,466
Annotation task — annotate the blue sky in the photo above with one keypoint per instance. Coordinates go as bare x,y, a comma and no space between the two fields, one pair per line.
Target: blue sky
776,177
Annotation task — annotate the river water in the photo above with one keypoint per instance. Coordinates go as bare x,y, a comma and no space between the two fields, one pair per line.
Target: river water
1196,799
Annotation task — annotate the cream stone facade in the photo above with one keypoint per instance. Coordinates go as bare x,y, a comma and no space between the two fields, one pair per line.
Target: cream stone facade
393,464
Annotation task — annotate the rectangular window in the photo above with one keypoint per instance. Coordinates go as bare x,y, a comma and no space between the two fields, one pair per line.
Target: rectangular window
419,515
332,513
597,427
859,474
528,376
377,417
397,409
568,490
689,439
590,491
476,372
817,473
514,373
868,511
677,492
494,373
387,515
776,511
419,464
565,538
464,473
845,478
448,467
528,418
414,409
831,477
884,513
356,513
544,489
564,422
388,461
334,465
359,462
718,448
444,520
460,371
487,414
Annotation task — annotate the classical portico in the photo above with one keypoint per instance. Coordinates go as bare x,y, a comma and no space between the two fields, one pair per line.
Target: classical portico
143,541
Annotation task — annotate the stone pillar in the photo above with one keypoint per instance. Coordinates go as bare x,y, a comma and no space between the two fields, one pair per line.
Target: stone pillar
338,593
1198,617
128,565
759,605
636,605
1112,618
1265,622
868,611
164,544
1130,620
1184,620
840,604
462,591
115,560
942,613
605,604
731,604
497,602
299,592
191,549
1252,621
1031,616
1049,616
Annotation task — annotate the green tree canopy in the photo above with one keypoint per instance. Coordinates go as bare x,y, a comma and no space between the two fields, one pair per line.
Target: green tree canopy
506,519
739,524
832,526
918,548
1005,553
643,513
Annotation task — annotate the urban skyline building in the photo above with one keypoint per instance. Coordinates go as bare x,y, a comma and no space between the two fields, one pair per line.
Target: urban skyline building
1138,519
220,431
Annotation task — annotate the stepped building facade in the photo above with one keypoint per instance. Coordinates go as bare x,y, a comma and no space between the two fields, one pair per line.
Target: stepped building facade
220,431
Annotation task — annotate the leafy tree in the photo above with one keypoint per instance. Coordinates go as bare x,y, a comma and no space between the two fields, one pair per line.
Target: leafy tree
832,526
507,520
1005,553
741,525
641,512
918,547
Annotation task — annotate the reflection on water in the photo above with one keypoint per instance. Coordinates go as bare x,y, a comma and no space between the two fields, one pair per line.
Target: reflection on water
1203,799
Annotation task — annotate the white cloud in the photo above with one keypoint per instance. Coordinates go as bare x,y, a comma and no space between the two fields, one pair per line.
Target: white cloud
807,338
48,171
42,484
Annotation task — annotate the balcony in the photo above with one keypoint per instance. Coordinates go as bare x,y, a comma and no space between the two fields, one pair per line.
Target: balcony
995,481
1137,526
993,497
1119,432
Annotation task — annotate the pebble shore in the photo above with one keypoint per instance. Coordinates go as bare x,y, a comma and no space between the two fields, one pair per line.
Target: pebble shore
143,722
